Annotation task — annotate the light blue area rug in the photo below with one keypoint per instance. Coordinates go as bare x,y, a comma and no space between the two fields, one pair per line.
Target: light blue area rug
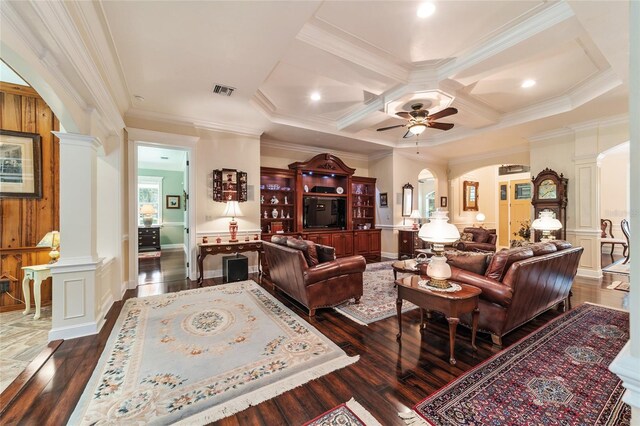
197,356
378,296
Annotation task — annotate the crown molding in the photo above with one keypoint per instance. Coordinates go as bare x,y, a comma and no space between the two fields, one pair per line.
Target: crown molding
193,122
63,31
615,120
270,143
529,25
597,85
380,155
326,37
490,155
154,136
552,134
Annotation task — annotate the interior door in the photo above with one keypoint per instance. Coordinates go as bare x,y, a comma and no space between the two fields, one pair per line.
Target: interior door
520,203
503,214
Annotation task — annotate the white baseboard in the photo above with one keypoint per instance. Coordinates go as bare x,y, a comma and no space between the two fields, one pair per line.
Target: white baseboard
589,273
74,331
180,246
215,273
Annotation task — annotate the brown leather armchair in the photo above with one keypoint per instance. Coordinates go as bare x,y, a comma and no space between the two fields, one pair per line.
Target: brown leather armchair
520,284
483,240
328,283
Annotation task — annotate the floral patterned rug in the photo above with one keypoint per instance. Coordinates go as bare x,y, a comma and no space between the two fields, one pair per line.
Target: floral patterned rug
379,296
557,375
200,355
348,414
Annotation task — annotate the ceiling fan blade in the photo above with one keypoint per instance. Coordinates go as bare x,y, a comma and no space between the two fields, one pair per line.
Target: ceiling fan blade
408,134
391,127
444,113
440,126
403,114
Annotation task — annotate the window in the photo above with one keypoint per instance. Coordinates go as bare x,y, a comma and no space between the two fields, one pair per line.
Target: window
431,203
150,192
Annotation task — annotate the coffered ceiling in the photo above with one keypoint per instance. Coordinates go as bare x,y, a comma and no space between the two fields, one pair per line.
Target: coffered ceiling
368,60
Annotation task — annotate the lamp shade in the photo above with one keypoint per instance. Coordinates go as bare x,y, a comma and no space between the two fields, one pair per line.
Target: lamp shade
416,129
232,209
51,239
480,217
147,209
546,222
415,214
438,229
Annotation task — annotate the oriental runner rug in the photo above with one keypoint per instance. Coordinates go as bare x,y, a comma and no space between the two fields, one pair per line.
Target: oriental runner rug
379,296
557,375
348,414
197,356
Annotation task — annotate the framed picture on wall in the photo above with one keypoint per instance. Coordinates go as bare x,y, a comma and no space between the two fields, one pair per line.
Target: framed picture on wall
20,165
173,201
384,202
443,201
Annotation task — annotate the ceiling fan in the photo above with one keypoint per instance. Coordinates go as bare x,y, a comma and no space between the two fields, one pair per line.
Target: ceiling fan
420,120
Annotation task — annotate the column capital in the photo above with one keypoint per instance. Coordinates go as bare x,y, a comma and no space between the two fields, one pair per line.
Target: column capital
77,139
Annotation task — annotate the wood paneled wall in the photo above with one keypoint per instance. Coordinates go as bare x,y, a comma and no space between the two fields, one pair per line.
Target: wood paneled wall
24,221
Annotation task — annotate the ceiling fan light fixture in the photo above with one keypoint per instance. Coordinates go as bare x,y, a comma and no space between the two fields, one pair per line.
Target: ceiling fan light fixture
315,96
426,9
417,129
528,83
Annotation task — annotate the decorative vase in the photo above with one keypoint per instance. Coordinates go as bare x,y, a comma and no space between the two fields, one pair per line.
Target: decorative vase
274,214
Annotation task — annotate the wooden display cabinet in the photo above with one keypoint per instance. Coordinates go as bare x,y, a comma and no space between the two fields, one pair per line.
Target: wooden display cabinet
363,202
277,185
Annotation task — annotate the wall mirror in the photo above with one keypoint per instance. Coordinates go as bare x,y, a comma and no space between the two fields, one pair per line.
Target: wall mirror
470,201
407,200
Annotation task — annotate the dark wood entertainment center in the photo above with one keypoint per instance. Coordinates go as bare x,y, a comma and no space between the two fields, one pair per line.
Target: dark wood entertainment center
324,177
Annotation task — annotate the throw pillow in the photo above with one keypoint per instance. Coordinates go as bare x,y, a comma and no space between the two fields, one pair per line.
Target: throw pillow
325,253
481,236
466,236
312,260
469,261
561,244
279,239
542,248
502,260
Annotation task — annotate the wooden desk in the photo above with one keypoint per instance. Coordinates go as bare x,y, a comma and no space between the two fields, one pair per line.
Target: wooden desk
205,250
37,273
451,304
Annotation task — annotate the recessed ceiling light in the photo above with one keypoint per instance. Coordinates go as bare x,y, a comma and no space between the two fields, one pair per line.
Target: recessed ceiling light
528,83
426,9
315,96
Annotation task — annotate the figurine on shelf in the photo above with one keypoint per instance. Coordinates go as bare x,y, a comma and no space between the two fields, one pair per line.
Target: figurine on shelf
285,200
281,212
274,200
288,216
274,213
262,199
266,214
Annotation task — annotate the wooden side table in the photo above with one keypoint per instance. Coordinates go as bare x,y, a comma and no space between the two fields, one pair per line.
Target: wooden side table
37,273
206,249
451,304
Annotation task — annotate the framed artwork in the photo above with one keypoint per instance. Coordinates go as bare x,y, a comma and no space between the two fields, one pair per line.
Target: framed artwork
384,201
173,201
20,165
443,201
470,200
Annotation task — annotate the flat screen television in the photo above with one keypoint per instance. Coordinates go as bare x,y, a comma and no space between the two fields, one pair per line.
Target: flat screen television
324,212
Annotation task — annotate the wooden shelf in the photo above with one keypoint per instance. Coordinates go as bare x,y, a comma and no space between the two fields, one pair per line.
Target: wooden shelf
273,205
323,194
271,219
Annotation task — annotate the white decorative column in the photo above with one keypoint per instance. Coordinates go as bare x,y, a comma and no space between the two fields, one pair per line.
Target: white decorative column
626,363
75,308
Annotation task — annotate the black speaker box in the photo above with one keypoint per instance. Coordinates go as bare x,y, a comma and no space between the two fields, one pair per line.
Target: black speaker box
323,189
235,268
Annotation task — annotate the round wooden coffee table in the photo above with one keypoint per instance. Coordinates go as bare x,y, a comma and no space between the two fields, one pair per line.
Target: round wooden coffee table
451,304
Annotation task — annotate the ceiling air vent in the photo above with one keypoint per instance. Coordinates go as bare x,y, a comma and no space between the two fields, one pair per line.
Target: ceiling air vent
223,90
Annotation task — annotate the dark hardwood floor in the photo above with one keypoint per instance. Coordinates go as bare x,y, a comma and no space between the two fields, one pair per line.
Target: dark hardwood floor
388,378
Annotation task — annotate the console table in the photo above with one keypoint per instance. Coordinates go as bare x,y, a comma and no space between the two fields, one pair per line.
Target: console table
37,273
205,249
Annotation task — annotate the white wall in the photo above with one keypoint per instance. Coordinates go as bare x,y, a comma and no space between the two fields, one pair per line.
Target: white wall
487,178
614,202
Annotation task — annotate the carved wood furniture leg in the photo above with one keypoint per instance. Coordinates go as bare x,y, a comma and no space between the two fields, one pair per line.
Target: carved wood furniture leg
474,327
399,312
312,312
37,284
453,326
26,293
200,261
357,300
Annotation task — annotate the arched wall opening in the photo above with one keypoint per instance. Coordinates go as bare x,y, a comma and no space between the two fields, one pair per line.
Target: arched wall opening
427,188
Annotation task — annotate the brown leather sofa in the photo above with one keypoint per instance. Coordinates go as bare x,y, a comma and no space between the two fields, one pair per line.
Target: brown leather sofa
519,284
311,274
483,240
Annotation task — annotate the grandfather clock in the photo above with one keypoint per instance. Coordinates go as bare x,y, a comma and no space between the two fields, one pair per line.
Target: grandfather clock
550,193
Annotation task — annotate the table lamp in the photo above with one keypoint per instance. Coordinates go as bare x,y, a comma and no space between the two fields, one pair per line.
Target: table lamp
439,232
147,211
51,239
480,218
546,223
233,210
415,215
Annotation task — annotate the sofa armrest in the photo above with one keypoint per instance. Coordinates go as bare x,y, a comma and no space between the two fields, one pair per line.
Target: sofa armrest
471,246
492,290
340,266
